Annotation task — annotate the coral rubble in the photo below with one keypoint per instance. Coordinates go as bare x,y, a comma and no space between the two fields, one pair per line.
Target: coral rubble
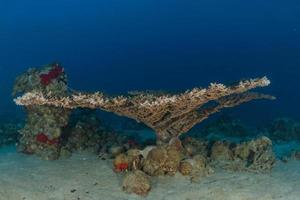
168,115
255,155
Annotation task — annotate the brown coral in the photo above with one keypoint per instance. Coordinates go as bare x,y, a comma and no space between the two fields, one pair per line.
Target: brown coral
221,151
162,160
255,155
196,167
168,115
136,182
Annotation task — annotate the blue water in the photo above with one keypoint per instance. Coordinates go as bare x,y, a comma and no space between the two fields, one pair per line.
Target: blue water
116,46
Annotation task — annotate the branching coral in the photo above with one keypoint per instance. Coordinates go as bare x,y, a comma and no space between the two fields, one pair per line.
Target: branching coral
168,115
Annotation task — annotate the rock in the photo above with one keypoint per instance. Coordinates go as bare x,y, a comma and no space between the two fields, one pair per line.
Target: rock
162,160
185,167
116,150
220,151
136,182
261,156
193,146
200,168
135,159
121,163
172,163
154,161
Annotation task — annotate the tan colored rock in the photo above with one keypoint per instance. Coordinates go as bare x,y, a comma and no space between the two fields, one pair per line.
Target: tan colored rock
155,160
200,168
220,151
185,168
162,160
193,146
172,163
121,163
116,150
136,182
135,159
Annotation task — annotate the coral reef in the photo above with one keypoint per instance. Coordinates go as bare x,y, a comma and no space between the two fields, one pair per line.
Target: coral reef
86,133
51,131
168,115
42,132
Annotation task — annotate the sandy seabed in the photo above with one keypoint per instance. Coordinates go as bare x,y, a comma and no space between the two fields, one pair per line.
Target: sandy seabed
86,177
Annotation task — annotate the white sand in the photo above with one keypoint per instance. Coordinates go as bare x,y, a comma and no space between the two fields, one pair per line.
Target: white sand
29,178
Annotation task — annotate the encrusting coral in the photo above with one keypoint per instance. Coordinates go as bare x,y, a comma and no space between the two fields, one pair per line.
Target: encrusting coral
168,115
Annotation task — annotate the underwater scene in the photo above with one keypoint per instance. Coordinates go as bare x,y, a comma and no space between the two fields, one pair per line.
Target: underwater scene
154,100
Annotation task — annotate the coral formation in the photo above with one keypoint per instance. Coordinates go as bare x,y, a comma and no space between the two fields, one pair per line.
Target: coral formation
50,133
196,167
136,182
86,133
42,132
194,146
168,115
221,151
162,160
255,155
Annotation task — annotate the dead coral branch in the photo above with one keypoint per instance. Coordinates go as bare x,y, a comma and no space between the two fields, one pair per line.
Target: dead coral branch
168,115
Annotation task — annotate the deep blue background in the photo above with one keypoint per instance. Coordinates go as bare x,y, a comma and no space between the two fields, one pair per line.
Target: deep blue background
117,45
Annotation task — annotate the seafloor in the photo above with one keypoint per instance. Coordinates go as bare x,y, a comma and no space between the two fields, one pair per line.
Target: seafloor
86,177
